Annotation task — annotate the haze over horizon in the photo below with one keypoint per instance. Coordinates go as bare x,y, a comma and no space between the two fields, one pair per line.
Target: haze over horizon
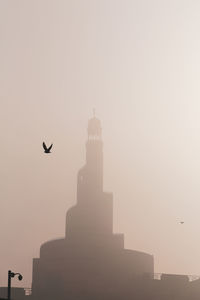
137,63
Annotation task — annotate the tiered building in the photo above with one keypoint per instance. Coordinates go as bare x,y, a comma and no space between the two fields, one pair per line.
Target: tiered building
90,262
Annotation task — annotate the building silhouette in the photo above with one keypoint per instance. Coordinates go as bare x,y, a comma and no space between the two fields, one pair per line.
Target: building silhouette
90,262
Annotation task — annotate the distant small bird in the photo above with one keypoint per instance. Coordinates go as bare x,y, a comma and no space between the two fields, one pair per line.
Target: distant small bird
47,150
181,222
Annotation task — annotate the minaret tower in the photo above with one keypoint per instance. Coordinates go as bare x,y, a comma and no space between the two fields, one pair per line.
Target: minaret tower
92,216
90,262
90,177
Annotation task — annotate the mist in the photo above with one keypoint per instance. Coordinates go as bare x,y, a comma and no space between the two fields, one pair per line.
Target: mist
137,63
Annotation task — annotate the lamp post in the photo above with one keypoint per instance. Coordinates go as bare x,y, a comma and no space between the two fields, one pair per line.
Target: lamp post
10,275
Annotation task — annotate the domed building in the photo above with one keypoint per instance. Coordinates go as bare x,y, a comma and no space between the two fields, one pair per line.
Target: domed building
90,262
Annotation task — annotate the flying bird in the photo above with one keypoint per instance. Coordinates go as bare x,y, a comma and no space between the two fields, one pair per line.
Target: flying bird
46,150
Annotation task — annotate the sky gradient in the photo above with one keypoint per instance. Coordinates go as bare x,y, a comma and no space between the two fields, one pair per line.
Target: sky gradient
138,64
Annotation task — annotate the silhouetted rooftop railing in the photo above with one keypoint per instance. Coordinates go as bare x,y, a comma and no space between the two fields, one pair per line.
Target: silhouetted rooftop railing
193,277
157,276
28,291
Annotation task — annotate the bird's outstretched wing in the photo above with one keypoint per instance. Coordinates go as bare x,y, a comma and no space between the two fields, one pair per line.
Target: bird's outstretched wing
44,146
50,147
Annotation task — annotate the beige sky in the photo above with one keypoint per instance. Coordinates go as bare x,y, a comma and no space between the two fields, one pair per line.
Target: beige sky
138,63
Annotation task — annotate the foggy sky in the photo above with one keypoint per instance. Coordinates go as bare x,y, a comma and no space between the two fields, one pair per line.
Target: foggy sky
137,62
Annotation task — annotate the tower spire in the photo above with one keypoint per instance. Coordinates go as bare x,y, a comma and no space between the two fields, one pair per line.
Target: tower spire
94,128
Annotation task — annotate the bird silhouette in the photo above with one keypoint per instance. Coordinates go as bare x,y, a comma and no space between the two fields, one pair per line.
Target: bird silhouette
46,150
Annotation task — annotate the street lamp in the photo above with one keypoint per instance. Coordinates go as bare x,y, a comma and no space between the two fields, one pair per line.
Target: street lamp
10,275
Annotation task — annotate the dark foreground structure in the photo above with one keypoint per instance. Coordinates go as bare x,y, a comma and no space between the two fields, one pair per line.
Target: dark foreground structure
90,262
16,293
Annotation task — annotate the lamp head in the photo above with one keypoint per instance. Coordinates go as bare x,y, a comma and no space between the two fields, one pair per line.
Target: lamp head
20,277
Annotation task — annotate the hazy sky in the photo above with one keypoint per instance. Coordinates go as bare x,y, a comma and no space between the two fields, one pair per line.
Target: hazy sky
138,63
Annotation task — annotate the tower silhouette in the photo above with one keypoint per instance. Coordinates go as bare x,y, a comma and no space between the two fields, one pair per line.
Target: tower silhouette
90,262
